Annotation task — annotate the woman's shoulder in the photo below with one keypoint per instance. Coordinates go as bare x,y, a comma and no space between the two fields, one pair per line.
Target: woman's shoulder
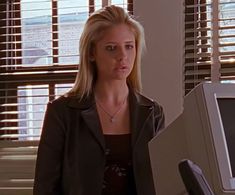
73,101
61,100
147,101
143,99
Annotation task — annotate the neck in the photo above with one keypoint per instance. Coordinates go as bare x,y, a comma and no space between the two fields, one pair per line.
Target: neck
111,92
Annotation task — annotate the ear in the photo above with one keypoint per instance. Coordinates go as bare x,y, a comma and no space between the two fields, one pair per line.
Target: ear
92,55
92,58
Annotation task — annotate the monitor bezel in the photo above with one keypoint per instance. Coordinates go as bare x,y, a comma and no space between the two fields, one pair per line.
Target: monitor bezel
217,131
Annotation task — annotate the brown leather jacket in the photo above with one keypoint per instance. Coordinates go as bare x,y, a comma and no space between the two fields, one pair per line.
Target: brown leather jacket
71,154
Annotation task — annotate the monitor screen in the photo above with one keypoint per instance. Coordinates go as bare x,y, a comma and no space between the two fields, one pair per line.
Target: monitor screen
227,114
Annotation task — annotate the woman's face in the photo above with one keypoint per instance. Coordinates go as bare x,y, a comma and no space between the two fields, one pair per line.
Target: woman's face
115,53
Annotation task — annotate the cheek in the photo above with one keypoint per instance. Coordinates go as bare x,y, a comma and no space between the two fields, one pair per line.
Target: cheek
102,56
132,56
102,63
100,59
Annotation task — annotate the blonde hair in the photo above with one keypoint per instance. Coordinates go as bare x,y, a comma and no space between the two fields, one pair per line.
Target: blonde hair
96,24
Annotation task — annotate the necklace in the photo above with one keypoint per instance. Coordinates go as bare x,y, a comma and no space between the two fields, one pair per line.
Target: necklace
111,116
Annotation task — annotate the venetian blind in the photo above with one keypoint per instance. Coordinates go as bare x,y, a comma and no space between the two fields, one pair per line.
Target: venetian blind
38,58
209,42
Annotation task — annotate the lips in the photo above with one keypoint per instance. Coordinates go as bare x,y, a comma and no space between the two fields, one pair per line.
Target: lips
121,67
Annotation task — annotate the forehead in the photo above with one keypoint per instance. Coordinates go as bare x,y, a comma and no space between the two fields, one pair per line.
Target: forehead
118,33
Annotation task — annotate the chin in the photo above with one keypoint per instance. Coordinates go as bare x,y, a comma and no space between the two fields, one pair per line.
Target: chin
120,78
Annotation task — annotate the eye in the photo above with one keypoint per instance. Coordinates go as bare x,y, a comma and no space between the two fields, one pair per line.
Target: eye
129,46
110,47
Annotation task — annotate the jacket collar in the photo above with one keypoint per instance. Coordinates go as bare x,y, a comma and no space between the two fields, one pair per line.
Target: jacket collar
88,102
140,109
82,104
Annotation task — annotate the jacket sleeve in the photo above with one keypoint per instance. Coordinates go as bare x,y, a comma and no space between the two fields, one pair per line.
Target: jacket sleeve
159,118
50,154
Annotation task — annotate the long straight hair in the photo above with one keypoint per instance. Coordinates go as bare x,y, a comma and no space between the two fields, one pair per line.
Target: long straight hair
95,26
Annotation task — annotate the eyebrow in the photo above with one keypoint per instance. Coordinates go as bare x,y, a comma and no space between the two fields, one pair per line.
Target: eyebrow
112,42
130,42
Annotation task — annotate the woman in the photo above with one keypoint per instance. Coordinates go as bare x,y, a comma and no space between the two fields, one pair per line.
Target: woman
94,139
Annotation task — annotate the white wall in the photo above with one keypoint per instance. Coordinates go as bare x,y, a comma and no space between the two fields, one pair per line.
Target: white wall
162,72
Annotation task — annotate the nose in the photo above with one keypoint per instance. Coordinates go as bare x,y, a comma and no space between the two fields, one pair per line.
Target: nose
122,54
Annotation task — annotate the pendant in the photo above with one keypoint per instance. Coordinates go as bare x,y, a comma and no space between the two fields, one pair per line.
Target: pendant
112,120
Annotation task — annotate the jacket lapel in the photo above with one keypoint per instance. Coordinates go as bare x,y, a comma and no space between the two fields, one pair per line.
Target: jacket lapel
140,111
91,118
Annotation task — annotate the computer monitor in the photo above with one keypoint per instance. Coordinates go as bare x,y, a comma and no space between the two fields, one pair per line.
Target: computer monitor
205,133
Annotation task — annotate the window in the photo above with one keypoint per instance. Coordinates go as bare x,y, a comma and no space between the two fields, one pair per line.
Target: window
209,42
38,58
